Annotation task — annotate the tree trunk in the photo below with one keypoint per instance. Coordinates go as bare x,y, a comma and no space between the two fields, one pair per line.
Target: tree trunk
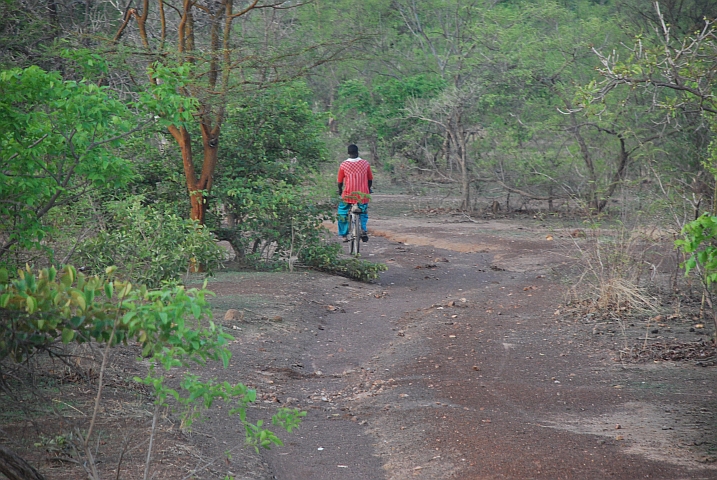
465,170
198,188
198,202
623,160
15,468
374,152
465,187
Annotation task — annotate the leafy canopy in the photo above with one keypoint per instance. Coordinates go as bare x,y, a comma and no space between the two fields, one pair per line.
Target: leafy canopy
57,140
60,139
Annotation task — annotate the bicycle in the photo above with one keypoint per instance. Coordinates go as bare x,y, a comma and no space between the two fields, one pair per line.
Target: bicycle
354,236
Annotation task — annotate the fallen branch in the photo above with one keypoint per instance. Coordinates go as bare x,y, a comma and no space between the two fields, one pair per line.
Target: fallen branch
530,195
15,468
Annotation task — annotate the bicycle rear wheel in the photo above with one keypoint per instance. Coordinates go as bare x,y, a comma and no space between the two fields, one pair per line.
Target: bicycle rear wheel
355,233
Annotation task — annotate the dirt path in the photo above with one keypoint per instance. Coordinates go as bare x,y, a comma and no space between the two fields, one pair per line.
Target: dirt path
459,364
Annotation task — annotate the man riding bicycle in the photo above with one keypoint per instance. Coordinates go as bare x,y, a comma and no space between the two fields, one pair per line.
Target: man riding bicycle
355,182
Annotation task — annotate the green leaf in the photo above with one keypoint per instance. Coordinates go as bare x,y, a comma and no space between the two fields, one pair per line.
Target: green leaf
67,335
30,305
128,316
76,321
251,396
79,299
52,274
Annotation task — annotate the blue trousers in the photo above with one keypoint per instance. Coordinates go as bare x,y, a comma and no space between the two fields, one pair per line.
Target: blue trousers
344,217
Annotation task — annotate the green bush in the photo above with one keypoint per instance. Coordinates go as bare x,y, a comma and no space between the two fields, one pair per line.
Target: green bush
274,223
172,324
57,140
265,187
149,245
700,243
285,229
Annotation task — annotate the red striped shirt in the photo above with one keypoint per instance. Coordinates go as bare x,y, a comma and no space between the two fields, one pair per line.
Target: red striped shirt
355,173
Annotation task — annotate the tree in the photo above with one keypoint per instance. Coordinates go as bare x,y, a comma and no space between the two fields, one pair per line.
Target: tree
535,143
508,116
374,110
483,85
684,64
223,51
15,468
677,72
451,112
684,16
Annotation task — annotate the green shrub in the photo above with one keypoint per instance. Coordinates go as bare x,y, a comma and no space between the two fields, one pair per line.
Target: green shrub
279,227
700,242
274,223
149,245
172,324
57,140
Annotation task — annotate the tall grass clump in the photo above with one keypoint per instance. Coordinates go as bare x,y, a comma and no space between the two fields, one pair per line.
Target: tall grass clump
618,269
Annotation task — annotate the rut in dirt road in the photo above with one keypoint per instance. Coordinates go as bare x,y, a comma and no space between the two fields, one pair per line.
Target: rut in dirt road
459,365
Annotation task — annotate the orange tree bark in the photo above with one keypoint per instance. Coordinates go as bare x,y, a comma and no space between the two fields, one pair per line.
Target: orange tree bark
197,186
167,34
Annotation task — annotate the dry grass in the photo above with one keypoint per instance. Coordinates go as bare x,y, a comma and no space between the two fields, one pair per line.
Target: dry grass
619,270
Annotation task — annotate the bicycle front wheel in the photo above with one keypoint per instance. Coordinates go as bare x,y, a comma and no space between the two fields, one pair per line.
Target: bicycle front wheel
355,233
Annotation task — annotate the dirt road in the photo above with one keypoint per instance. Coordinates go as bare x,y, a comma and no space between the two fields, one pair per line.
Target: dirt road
461,363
